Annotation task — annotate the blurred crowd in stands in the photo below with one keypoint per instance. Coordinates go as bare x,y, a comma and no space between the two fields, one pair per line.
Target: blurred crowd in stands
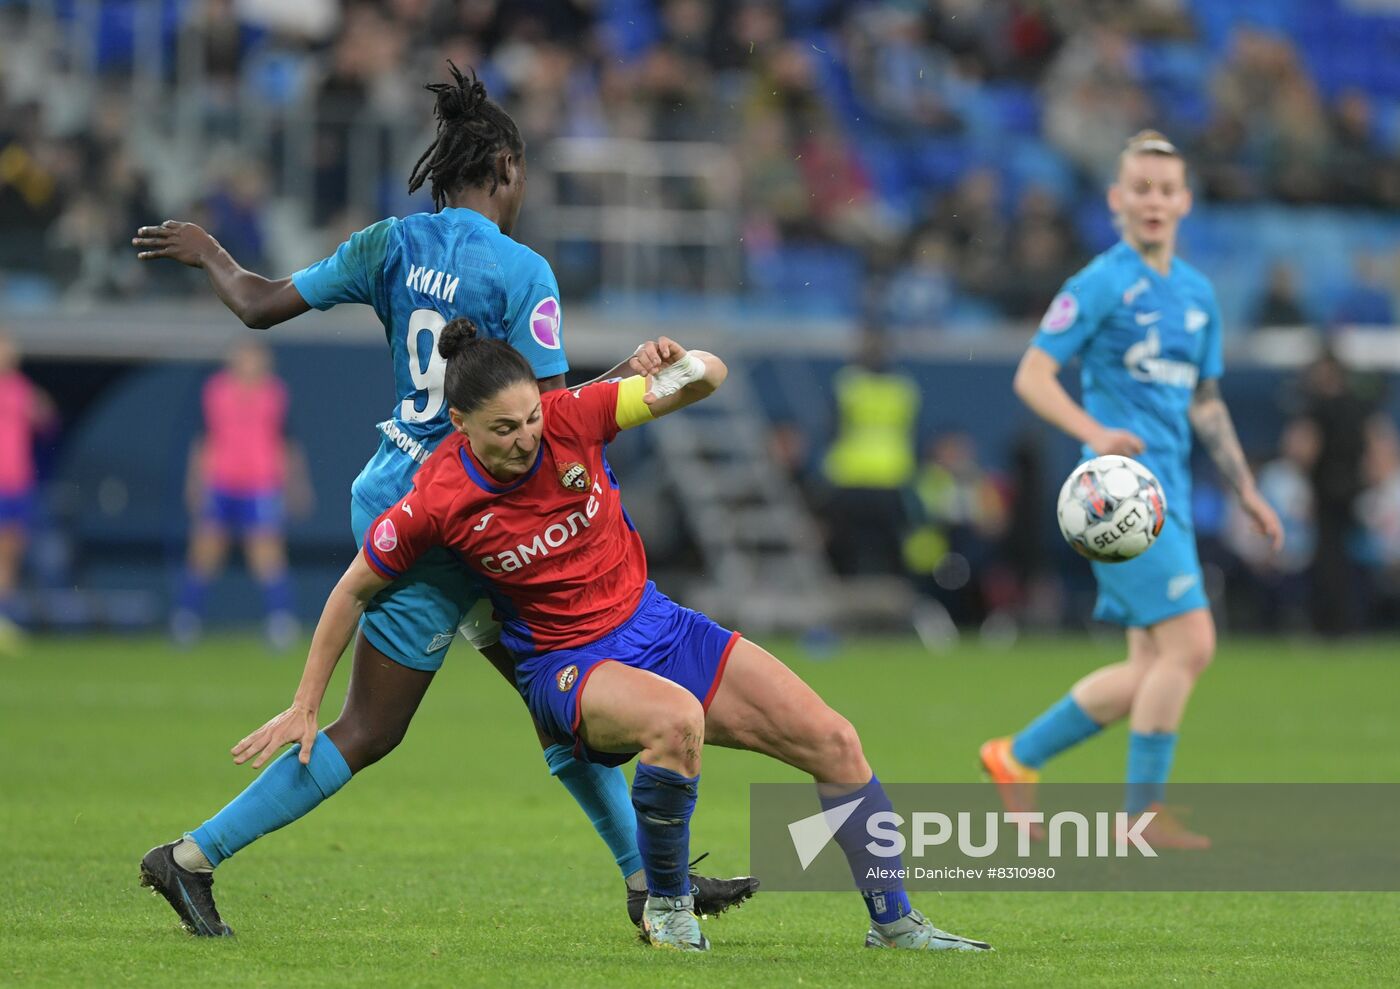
942,162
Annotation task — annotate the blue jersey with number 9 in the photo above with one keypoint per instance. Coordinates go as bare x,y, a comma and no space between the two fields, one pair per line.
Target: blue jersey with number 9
418,273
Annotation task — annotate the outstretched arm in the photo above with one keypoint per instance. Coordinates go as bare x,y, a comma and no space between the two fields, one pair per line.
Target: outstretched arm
685,378
259,302
1037,384
337,625
1214,428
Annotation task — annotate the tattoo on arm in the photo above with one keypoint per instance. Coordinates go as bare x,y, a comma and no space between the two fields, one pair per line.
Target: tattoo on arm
1214,428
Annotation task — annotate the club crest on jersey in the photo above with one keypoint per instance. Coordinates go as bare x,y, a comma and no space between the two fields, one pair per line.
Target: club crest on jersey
386,537
574,477
566,677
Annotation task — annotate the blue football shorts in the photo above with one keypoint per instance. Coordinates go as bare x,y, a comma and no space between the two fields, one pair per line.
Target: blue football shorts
1162,583
16,509
676,643
244,513
414,620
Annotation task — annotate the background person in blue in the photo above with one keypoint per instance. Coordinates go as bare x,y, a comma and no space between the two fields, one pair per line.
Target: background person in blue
1146,329
418,273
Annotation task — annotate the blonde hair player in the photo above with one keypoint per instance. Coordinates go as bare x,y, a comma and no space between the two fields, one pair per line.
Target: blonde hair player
1146,329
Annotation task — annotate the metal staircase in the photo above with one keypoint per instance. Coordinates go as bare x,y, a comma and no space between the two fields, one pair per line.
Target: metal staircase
765,568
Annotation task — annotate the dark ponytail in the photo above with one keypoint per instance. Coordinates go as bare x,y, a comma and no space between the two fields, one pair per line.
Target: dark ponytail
478,368
472,133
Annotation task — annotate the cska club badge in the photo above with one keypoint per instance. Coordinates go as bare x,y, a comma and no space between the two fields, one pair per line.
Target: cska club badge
573,477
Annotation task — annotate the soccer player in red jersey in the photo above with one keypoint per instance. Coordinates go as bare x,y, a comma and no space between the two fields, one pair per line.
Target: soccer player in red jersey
417,272
521,492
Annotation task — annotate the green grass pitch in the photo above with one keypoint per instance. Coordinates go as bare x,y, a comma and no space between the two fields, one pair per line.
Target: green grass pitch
457,861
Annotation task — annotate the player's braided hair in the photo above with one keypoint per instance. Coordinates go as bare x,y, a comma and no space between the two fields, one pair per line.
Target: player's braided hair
478,368
472,131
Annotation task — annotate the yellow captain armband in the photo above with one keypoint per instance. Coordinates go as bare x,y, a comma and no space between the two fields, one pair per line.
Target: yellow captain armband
631,410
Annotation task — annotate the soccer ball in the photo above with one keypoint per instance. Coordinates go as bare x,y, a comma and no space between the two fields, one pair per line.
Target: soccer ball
1111,509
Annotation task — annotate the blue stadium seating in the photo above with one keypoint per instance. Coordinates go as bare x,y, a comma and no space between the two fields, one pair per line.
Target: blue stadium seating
808,280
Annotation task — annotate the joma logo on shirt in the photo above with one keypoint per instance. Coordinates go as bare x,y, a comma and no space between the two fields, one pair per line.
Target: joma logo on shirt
435,283
553,536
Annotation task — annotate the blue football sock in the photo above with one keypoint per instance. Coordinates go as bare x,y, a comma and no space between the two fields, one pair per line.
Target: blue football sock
884,898
1149,764
602,793
1062,725
663,801
285,791
277,595
191,593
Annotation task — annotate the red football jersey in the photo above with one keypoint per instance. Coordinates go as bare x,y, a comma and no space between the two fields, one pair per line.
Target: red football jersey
561,559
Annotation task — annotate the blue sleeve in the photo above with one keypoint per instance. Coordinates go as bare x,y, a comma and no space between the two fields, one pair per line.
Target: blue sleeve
1213,361
535,323
1074,316
352,273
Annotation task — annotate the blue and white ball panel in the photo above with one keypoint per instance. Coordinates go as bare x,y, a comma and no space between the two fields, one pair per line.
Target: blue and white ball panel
1162,583
414,620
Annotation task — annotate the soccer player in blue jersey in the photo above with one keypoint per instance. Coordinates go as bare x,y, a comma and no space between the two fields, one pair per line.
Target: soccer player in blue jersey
1146,329
418,273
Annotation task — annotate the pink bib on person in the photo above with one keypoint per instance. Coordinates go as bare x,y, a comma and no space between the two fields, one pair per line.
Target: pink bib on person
244,449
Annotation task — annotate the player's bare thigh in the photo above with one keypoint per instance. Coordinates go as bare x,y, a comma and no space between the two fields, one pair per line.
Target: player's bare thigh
624,709
1187,639
762,706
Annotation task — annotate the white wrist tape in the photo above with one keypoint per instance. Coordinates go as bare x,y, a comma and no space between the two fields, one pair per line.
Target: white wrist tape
674,377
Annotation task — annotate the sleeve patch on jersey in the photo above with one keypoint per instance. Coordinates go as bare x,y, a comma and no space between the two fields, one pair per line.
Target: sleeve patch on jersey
386,537
1063,311
544,323
1196,320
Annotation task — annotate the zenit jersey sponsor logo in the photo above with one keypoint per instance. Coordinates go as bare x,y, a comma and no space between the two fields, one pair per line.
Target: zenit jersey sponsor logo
438,284
1145,362
553,537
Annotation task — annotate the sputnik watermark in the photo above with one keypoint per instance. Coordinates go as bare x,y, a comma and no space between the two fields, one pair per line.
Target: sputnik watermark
1107,835
1081,837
